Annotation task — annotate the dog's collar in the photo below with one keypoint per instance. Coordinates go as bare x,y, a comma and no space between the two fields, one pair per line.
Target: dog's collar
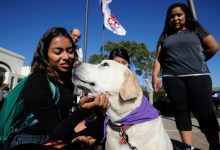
121,130
118,128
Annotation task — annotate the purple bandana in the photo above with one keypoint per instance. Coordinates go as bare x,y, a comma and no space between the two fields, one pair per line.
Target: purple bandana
145,112
218,95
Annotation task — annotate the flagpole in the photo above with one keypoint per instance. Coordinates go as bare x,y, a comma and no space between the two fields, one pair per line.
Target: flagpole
86,31
192,7
103,43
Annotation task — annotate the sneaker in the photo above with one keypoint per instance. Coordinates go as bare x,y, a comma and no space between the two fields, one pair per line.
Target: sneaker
188,147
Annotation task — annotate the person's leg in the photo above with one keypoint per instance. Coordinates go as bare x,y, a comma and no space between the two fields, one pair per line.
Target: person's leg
213,139
187,137
176,91
200,89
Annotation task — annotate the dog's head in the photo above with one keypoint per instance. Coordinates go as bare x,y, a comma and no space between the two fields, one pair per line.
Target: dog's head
109,76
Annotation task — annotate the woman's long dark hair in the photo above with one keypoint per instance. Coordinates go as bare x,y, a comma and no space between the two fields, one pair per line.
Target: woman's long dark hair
40,61
191,23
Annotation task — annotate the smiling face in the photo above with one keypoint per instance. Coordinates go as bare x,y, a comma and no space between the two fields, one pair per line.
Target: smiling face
61,54
177,19
76,35
100,77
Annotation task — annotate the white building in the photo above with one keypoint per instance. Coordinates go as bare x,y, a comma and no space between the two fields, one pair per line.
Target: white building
11,68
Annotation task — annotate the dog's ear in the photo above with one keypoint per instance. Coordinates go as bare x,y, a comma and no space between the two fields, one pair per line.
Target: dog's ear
130,88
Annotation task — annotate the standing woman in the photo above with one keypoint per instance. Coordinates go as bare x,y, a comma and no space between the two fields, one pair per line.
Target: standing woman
182,51
53,60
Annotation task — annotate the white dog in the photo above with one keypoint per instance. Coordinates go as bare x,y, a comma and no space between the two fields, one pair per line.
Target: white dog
133,123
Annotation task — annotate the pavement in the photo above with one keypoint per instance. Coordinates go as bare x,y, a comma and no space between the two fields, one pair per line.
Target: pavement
199,139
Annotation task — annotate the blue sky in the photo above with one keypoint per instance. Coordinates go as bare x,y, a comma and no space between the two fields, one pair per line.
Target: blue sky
23,22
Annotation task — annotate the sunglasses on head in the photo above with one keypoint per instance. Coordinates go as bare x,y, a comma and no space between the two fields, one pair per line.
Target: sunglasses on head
76,35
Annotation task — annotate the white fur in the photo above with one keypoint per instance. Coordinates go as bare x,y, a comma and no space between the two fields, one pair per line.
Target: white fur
112,77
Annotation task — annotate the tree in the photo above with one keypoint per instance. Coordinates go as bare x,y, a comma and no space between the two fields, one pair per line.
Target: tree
140,56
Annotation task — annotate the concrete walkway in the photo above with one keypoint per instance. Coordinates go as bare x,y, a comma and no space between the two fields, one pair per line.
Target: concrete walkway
200,141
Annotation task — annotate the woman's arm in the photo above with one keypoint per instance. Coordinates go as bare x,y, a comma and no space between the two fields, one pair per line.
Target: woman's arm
156,71
73,124
38,100
210,45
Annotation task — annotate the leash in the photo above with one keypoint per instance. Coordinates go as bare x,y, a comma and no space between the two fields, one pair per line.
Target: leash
121,129
124,139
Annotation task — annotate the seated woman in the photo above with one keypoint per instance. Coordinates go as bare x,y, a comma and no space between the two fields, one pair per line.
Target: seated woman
53,60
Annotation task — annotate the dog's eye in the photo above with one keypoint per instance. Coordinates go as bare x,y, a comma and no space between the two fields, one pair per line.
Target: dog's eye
92,84
105,64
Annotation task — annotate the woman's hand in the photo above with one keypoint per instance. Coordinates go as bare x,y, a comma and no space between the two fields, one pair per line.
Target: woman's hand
95,100
88,140
156,84
85,139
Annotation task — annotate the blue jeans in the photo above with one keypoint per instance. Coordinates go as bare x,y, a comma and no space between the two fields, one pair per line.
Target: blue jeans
28,139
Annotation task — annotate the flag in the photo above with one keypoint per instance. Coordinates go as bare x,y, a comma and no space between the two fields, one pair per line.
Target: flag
110,20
